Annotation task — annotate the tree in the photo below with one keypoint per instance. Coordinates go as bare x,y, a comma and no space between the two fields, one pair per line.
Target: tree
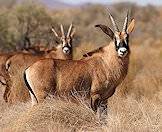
33,24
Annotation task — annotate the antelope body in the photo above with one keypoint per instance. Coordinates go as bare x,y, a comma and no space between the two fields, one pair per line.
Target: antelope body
17,91
3,58
33,50
97,75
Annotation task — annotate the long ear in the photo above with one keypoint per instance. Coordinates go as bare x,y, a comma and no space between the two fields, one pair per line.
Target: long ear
73,32
58,46
131,26
7,65
106,30
2,80
55,33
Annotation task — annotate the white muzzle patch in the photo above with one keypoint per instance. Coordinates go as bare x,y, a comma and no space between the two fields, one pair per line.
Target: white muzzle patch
66,50
122,52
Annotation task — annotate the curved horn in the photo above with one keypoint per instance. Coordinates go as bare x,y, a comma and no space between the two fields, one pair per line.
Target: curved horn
53,30
113,23
125,23
69,31
62,31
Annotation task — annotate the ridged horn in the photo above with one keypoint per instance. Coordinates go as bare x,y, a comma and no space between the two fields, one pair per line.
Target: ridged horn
62,31
69,31
125,23
53,30
116,29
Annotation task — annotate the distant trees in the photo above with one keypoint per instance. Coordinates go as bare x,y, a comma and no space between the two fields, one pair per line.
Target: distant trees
6,37
33,23
27,22
7,3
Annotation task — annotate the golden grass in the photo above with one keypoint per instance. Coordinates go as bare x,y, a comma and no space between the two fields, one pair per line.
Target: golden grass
135,106
50,114
145,73
128,114
124,114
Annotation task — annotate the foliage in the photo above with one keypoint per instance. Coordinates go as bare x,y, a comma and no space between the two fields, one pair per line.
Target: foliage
30,19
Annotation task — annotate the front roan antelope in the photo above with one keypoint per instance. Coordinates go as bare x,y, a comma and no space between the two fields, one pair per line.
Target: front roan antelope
98,75
16,65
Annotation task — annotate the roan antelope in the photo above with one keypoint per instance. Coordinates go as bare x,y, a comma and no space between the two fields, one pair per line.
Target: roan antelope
5,56
35,50
98,75
17,91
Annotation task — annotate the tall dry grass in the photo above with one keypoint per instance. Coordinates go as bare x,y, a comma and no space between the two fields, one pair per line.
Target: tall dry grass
124,114
135,106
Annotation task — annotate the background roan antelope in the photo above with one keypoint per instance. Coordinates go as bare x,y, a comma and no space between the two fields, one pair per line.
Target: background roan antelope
16,89
97,75
35,50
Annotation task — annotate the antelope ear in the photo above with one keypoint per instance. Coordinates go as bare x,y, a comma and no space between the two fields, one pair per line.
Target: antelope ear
106,30
58,46
8,63
2,80
73,32
131,26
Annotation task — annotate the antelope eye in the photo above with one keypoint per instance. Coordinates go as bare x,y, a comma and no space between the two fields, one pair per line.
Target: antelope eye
57,42
68,39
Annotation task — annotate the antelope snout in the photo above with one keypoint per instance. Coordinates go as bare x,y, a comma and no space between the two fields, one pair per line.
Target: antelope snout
66,50
122,52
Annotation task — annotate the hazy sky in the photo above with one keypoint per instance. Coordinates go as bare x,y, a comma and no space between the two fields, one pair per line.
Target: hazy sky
142,2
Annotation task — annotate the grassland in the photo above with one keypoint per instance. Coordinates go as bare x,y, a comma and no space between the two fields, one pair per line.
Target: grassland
136,105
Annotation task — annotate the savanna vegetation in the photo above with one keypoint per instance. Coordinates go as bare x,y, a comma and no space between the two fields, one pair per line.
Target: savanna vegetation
137,103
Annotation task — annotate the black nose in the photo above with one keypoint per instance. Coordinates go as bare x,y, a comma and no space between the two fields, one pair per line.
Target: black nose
123,51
